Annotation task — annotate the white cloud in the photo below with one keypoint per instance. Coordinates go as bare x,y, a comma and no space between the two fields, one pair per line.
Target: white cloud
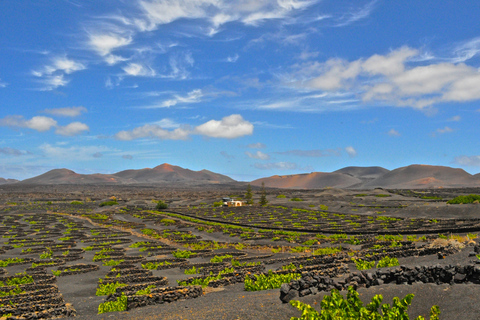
470,161
112,59
217,12
257,145
455,118
233,58
233,126
138,70
105,43
445,130
153,131
258,155
72,129
229,127
351,151
127,157
193,96
53,82
357,15
43,124
467,50
393,133
39,123
3,84
60,64
167,123
393,79
66,112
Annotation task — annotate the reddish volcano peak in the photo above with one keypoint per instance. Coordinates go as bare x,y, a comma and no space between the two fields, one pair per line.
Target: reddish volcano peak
165,167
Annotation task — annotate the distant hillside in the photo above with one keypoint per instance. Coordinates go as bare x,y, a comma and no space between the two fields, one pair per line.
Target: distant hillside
164,173
425,176
410,177
170,173
7,181
367,173
312,180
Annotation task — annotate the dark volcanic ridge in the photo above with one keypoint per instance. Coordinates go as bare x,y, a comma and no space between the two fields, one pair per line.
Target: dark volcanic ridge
7,181
164,173
409,177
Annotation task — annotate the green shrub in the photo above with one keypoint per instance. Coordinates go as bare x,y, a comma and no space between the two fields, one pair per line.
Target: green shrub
155,265
387,262
325,251
110,263
193,270
161,205
382,195
19,279
217,204
111,306
218,259
471,198
145,291
5,263
108,288
108,203
269,281
167,222
323,207
182,254
336,306
296,199
76,203
363,265
281,196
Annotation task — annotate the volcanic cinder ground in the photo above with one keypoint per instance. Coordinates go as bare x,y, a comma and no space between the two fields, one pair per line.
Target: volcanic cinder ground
53,213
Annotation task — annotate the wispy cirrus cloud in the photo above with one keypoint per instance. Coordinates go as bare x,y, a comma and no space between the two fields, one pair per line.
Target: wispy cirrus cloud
52,75
3,84
355,15
66,112
466,50
393,133
258,155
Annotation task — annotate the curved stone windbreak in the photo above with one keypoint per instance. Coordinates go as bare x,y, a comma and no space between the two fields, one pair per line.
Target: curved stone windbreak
312,283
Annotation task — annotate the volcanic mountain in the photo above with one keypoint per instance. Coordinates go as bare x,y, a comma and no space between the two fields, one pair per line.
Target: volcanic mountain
312,180
164,173
7,181
170,173
425,176
410,177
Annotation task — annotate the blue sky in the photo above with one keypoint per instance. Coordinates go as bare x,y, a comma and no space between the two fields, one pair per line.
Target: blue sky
247,88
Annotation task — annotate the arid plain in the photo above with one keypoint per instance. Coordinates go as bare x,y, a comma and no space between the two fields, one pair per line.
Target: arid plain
74,243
